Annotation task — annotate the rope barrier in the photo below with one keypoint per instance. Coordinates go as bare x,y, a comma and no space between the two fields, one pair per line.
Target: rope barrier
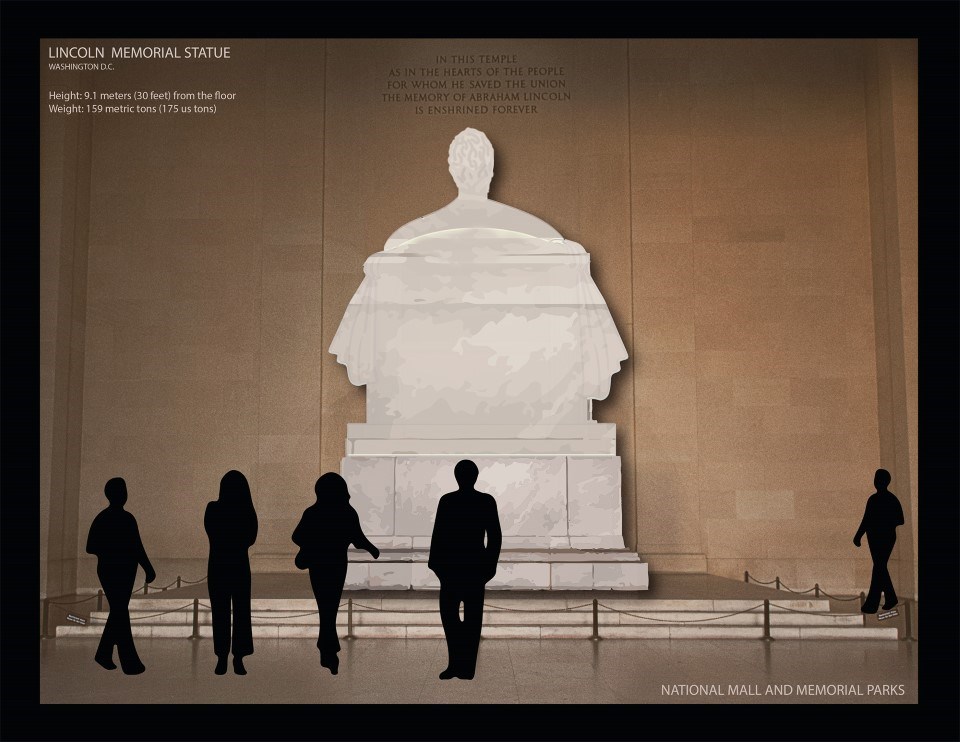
798,592
747,577
393,610
765,606
692,620
153,615
350,603
809,613
165,587
537,610
73,602
834,597
162,613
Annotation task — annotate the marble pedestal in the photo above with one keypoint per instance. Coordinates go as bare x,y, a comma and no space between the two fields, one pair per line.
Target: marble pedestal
557,490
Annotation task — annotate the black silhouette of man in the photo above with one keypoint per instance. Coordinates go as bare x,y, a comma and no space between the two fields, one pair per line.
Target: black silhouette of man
880,520
464,565
115,540
323,534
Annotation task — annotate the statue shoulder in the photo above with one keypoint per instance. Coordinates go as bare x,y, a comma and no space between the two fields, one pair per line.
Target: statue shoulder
478,214
504,216
436,221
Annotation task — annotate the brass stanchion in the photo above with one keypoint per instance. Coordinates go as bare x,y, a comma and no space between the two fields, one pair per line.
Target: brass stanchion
596,620
766,621
196,619
907,622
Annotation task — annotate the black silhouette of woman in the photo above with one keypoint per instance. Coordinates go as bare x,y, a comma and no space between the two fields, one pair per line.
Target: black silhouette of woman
231,525
324,533
880,520
115,540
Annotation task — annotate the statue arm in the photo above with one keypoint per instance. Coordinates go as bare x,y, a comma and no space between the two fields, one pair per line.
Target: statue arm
353,343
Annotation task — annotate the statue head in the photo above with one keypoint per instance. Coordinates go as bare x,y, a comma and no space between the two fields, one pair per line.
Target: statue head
471,162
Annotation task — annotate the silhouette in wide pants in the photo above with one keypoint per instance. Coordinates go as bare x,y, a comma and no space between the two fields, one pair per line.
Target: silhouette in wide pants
464,565
880,520
115,540
231,525
324,533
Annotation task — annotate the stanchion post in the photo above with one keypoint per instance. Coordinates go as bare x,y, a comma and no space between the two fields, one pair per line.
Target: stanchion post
46,617
196,619
596,620
99,600
907,622
766,621
816,589
778,582
350,618
746,576
178,581
144,588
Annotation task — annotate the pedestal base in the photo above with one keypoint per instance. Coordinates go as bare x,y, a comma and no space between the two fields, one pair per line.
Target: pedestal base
544,502
516,570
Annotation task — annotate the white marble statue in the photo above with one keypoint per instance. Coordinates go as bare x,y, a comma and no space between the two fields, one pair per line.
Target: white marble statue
479,313
479,333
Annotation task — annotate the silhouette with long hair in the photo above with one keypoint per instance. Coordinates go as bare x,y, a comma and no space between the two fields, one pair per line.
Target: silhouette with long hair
231,525
115,540
464,565
880,520
324,533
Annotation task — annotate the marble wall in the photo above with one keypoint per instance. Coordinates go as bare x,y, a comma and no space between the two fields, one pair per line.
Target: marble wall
744,203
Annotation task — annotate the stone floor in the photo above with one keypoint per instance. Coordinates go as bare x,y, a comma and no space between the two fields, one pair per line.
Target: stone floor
508,671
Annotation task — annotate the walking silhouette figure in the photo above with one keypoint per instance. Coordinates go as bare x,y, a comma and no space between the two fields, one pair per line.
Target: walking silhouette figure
115,540
880,520
231,525
324,533
464,565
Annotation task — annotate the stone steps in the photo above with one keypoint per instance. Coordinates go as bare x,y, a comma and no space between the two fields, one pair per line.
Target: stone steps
555,617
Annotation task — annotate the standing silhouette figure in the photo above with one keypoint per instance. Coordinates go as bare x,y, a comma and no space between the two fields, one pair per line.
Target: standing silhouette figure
464,565
115,540
231,525
324,533
880,520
